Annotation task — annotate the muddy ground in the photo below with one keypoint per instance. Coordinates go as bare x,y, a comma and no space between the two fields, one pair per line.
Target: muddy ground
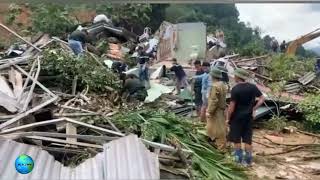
297,159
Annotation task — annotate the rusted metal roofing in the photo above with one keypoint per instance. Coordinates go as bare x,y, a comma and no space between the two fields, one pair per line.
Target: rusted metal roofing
307,78
125,157
292,88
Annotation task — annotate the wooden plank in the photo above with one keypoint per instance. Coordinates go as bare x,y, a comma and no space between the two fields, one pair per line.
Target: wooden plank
95,127
32,125
22,115
64,141
96,139
71,130
14,33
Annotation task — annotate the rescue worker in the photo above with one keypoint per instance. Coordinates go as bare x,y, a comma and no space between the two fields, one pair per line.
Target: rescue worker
77,41
283,46
197,87
241,115
181,76
216,126
134,89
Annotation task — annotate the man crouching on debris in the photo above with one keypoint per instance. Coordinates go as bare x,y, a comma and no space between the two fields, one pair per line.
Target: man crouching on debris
181,76
241,114
77,41
134,89
216,127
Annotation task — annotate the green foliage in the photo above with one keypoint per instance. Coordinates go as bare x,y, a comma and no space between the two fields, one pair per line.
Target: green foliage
52,19
136,16
14,11
310,107
65,64
253,48
286,68
158,124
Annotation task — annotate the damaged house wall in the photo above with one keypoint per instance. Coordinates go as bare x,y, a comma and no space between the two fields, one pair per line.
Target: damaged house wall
184,41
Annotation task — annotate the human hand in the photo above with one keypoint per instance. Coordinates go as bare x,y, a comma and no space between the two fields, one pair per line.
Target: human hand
253,114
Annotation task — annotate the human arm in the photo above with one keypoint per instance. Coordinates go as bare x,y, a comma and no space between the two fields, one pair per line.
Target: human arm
230,111
260,98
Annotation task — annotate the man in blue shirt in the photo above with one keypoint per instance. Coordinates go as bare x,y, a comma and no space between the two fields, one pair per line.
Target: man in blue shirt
206,83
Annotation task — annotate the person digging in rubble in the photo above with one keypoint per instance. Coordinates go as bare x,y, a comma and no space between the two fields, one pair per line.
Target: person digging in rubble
241,114
197,87
77,41
181,76
216,127
134,89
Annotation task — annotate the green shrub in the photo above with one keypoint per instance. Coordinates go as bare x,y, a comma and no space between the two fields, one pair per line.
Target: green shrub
65,64
310,107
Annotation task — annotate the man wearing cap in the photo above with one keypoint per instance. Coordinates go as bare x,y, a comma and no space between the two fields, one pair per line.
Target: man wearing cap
197,87
241,114
216,127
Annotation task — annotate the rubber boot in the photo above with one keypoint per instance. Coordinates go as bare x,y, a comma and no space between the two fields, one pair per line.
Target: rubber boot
248,158
238,154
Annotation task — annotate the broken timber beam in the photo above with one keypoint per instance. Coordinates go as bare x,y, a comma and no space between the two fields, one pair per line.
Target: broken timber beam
22,115
64,141
14,33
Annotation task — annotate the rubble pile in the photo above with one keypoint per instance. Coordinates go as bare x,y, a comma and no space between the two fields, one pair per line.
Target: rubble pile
69,106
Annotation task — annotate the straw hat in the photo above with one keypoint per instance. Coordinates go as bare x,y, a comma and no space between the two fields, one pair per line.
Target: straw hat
241,73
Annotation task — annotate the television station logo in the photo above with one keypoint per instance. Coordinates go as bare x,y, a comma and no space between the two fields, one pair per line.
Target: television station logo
24,164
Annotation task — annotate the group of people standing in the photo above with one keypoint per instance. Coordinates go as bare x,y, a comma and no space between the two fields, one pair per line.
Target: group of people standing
225,123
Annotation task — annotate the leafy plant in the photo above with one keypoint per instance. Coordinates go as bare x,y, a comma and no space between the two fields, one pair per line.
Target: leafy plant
14,11
65,64
286,68
52,19
310,107
254,48
154,125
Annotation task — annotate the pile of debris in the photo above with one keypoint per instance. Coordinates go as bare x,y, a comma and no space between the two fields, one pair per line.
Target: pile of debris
89,130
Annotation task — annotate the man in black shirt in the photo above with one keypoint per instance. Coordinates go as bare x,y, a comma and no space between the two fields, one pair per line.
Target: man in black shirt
181,77
197,85
241,114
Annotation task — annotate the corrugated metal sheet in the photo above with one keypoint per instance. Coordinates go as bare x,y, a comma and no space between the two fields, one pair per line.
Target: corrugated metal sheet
306,79
133,159
168,38
128,158
292,88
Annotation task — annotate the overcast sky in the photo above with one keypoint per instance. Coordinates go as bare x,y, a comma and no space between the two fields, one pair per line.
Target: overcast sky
284,21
